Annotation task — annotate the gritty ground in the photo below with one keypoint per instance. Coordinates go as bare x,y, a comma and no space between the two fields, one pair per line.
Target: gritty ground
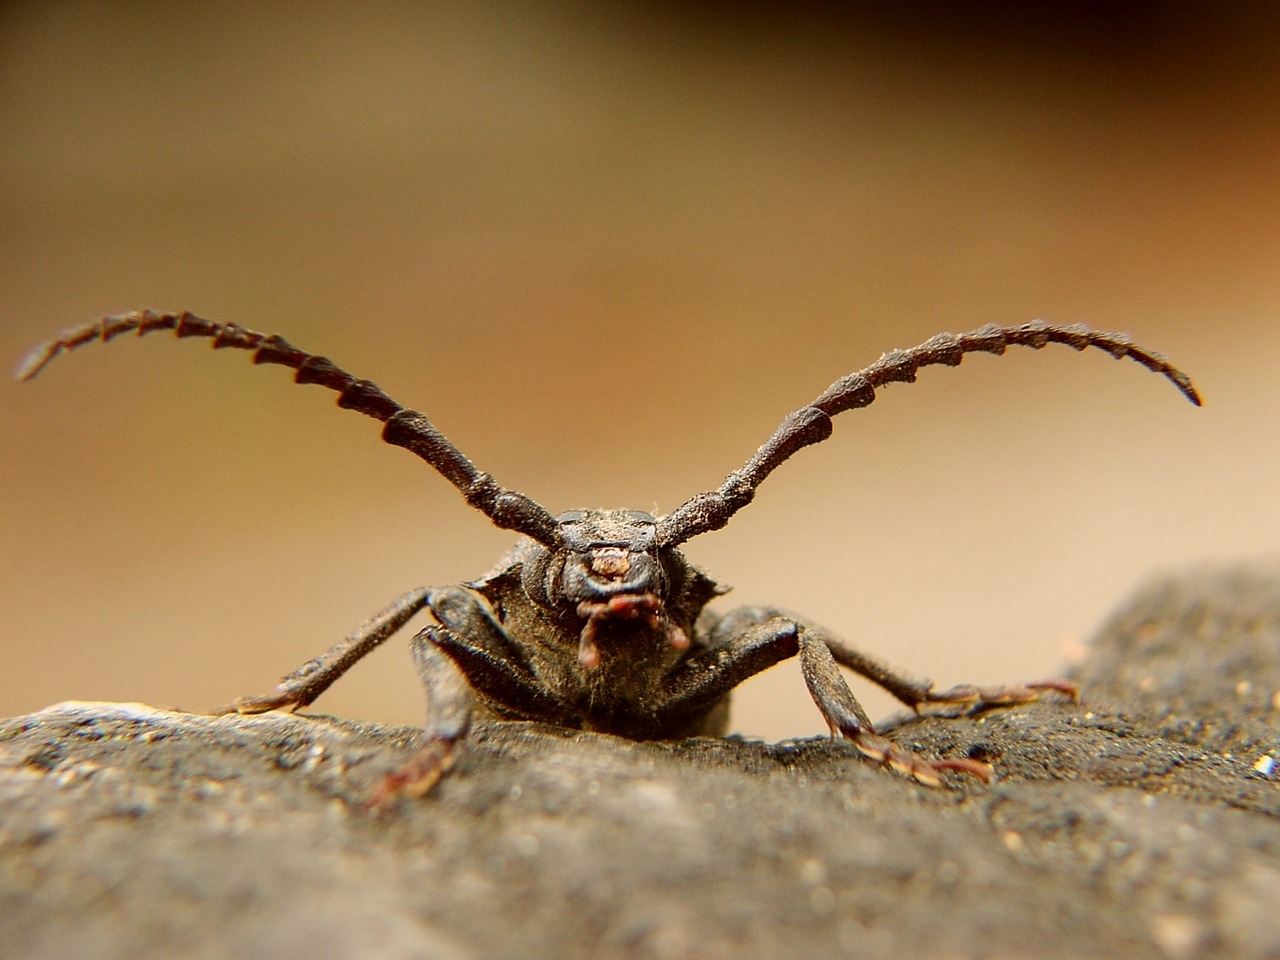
1142,822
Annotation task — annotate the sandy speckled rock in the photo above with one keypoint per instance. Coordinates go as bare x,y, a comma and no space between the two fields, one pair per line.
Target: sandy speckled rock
1143,822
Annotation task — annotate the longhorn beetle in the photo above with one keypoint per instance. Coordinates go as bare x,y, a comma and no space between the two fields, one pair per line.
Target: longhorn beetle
595,620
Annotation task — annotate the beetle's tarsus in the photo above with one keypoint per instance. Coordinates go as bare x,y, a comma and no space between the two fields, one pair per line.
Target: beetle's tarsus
255,705
967,699
974,768
884,752
416,778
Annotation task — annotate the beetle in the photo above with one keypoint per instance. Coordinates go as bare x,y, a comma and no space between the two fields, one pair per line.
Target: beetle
595,620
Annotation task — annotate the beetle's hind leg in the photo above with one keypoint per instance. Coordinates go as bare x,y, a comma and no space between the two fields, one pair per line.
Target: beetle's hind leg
301,687
919,694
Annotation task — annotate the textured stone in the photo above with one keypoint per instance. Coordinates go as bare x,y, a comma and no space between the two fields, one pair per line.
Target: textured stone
1139,823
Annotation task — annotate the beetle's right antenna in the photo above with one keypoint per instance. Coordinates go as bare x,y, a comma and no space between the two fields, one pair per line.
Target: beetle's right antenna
404,428
812,424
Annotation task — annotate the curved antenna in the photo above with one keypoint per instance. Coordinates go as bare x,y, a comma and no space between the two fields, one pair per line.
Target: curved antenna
812,424
404,428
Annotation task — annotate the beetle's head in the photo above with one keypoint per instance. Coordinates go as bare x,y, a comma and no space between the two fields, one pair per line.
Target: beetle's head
608,567
608,553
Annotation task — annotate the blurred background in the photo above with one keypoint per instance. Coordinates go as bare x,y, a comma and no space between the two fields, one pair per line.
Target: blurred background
606,247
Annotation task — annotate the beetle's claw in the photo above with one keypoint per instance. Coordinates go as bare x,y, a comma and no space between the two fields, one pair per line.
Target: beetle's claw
885,752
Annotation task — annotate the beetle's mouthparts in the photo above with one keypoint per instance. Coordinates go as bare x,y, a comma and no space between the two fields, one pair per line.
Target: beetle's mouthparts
623,606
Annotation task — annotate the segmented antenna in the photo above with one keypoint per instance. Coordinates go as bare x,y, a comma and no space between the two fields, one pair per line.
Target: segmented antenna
403,428
812,424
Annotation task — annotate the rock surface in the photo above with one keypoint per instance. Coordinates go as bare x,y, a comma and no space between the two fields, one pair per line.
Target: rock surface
1143,822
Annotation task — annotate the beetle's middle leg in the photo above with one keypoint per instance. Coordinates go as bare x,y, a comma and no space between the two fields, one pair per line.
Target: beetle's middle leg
449,710
751,638
845,717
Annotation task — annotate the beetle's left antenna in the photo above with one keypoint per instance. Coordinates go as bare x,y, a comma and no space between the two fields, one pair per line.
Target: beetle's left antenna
812,424
403,428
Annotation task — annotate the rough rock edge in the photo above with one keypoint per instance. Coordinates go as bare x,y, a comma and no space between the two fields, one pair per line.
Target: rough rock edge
1144,822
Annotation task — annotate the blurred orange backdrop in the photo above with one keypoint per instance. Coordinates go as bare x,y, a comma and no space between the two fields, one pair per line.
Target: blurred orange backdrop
606,248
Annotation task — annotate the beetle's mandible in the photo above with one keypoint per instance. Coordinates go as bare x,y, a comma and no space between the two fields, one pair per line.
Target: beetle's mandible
595,620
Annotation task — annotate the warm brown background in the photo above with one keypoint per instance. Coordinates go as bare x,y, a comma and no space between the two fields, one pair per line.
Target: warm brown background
606,249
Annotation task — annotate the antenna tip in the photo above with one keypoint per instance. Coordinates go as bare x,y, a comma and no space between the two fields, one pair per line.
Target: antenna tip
36,360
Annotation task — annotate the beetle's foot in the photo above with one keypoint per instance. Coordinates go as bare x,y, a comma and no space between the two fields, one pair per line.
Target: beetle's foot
249,705
415,778
885,752
297,689
966,699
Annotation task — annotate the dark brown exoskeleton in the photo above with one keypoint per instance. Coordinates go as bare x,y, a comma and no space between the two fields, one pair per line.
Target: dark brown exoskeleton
595,620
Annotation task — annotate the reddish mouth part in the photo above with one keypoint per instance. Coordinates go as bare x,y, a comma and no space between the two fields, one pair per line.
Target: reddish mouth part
624,606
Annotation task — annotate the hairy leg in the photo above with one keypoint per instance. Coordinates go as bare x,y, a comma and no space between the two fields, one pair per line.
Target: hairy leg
846,718
738,647
919,693
301,687
749,639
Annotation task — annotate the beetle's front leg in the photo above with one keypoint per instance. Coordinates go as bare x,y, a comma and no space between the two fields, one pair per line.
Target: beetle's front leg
751,638
738,647
449,709
314,677
467,662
